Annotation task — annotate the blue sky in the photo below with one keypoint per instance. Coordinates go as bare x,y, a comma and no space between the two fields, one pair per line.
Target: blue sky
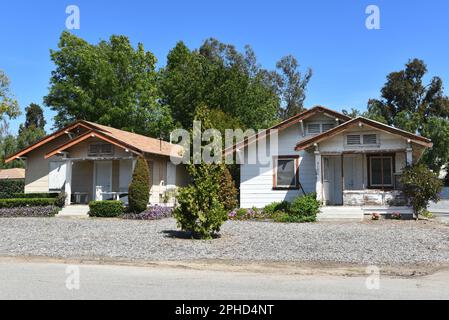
349,61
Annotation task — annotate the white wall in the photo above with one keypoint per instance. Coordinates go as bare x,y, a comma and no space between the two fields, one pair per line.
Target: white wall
256,180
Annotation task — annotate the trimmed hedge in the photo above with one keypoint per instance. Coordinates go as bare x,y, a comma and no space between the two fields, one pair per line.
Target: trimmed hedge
9,187
34,195
106,209
19,203
29,212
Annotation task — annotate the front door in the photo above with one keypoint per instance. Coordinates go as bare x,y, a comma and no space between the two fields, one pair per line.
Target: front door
332,192
103,180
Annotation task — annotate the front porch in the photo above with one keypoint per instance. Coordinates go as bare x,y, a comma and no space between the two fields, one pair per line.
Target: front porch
361,179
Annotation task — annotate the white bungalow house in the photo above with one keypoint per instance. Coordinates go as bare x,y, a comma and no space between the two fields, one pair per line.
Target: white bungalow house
353,165
89,161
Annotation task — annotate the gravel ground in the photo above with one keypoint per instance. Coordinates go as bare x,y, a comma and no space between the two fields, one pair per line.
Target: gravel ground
382,242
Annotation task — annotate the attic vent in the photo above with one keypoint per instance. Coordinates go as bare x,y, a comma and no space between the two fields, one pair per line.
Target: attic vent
314,128
327,126
101,149
369,139
353,139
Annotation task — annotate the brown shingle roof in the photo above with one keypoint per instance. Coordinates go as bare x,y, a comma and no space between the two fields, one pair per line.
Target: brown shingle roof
140,142
135,141
12,174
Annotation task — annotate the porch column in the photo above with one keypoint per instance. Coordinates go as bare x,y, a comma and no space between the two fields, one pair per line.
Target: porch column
68,182
409,153
318,168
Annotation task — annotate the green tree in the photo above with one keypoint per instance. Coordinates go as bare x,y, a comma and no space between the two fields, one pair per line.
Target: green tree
110,83
34,117
200,210
34,127
409,104
420,186
292,86
139,189
8,104
228,191
221,77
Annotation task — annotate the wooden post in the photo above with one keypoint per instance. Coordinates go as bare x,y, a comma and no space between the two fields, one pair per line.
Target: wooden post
68,182
342,178
318,168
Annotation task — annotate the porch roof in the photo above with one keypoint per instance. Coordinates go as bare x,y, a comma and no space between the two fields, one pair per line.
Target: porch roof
307,143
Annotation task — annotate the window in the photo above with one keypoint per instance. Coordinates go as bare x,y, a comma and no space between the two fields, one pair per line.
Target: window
359,139
101,149
317,128
286,173
381,171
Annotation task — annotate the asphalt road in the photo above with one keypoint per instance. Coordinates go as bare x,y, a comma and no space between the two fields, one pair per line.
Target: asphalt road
21,280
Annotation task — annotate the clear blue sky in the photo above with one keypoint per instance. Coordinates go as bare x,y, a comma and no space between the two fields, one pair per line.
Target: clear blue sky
349,61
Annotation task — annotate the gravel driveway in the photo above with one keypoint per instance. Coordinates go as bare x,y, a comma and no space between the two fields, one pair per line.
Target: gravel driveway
383,242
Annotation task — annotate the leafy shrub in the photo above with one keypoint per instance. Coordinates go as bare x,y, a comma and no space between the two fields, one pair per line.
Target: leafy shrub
152,213
420,186
9,187
139,189
60,199
289,218
200,210
106,209
228,191
306,206
18,203
29,212
35,195
274,207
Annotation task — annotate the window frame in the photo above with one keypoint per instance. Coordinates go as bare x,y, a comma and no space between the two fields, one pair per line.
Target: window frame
276,159
392,158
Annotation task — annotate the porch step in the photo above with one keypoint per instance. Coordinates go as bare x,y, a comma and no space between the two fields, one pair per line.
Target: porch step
340,214
387,210
74,211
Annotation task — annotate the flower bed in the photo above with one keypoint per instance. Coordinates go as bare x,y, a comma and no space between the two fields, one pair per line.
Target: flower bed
152,213
29,212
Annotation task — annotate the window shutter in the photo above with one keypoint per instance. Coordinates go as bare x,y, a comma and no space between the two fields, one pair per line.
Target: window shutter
353,140
370,139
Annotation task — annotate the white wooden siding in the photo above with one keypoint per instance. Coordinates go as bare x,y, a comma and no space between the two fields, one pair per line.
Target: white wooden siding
256,180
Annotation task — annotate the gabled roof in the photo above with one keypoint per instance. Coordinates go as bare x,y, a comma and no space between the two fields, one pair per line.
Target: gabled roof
288,123
368,122
13,174
135,142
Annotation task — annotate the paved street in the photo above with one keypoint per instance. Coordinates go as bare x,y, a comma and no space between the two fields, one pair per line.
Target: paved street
20,280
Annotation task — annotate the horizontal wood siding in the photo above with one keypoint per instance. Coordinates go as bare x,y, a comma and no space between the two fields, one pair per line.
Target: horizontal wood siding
256,180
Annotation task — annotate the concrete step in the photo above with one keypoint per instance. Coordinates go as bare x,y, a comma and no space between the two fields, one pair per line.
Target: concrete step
74,211
340,214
